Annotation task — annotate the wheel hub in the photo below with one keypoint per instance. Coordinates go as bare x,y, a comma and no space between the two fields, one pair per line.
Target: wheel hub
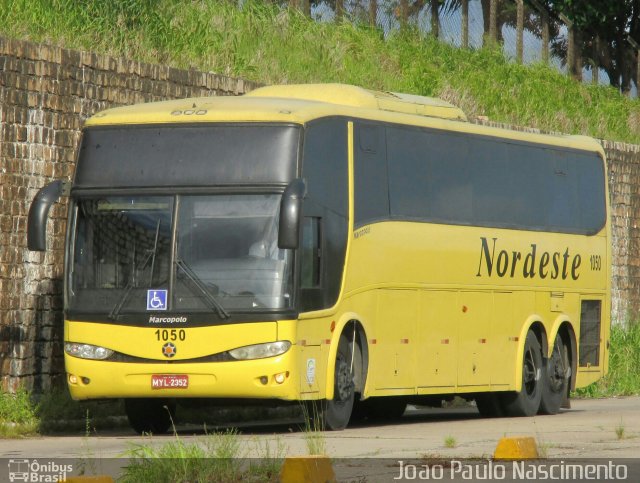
557,370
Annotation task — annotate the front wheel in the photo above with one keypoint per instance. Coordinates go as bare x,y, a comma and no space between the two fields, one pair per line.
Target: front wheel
334,414
527,401
555,380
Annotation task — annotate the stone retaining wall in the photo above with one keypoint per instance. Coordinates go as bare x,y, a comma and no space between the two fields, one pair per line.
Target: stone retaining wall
45,95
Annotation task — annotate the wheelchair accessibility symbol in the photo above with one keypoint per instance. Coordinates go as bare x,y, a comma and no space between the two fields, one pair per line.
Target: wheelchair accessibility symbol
156,300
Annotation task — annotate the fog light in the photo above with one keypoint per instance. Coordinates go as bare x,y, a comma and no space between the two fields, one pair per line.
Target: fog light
73,379
264,380
85,380
280,378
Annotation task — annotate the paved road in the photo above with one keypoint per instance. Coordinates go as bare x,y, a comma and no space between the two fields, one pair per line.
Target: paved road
586,430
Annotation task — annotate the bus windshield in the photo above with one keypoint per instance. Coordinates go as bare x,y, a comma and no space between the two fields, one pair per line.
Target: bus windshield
195,253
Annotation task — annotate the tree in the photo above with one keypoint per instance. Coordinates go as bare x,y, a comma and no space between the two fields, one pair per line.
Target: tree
604,27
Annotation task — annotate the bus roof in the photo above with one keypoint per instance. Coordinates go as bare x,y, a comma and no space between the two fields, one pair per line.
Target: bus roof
301,103
352,96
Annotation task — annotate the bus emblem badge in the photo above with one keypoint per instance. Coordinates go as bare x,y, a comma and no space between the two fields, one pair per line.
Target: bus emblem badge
169,350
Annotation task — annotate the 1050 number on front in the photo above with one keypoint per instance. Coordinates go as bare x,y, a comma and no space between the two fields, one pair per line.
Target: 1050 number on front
170,334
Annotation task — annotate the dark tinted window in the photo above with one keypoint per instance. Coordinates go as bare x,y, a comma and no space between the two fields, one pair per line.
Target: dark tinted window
178,155
370,174
324,164
473,180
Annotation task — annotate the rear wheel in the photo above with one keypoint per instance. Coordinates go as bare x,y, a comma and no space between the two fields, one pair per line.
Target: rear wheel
150,415
527,401
555,380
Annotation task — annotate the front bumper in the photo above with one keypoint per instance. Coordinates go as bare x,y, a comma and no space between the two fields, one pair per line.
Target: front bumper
234,379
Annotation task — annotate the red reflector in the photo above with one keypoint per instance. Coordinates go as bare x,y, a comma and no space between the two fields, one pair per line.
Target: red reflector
404,341
444,341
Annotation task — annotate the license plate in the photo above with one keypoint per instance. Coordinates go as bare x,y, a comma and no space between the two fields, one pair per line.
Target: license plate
169,381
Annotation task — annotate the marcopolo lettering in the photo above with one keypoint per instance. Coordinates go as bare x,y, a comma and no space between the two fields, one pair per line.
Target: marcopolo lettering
167,320
532,263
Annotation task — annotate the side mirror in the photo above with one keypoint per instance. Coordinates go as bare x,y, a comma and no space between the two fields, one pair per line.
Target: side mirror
290,213
39,211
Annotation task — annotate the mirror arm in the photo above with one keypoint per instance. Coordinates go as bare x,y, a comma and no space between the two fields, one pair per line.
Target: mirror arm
39,211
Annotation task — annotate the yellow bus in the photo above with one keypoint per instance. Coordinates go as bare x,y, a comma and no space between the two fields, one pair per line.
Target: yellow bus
328,244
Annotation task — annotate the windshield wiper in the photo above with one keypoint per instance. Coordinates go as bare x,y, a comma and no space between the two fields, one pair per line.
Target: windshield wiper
188,271
129,286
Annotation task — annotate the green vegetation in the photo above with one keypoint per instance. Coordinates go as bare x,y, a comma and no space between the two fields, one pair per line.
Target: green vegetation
450,442
21,414
269,45
216,458
313,428
17,414
620,431
623,378
56,411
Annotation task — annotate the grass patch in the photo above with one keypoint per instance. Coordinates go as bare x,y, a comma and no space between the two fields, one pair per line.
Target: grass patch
17,414
58,412
217,458
24,414
265,43
314,428
623,378
450,442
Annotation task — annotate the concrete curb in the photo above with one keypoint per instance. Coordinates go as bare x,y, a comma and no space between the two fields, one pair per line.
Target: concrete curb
310,469
517,448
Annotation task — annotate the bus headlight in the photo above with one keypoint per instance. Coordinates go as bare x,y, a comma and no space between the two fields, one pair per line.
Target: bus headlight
260,351
87,351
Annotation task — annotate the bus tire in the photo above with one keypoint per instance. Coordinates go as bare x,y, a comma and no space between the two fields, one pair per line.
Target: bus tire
555,380
337,411
150,415
527,401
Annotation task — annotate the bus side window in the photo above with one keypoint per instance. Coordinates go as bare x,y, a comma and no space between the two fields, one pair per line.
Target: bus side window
311,253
